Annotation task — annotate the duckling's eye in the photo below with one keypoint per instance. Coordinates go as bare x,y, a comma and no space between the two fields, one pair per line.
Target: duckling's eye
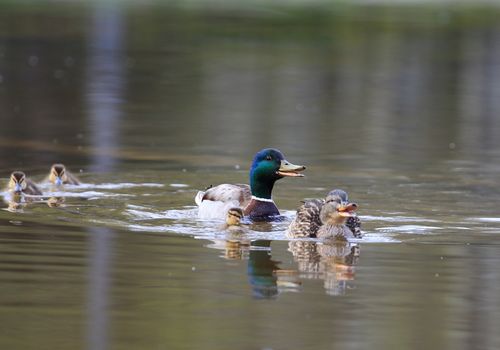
269,158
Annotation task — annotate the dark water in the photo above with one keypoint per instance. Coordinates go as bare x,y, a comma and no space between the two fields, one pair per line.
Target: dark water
149,103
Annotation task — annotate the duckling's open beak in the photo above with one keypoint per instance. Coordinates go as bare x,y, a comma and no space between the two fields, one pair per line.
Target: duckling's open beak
289,169
347,210
58,181
18,188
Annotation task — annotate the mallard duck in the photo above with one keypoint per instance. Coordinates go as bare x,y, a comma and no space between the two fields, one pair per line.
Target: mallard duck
332,217
268,166
19,184
60,176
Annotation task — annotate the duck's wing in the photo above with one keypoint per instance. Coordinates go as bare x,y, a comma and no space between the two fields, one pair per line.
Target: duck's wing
32,189
214,202
226,193
354,224
72,179
307,221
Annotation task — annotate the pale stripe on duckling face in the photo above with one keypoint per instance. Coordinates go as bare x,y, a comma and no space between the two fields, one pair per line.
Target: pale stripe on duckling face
17,182
59,175
234,216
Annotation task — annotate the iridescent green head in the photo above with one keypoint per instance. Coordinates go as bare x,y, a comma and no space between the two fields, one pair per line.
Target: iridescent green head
268,166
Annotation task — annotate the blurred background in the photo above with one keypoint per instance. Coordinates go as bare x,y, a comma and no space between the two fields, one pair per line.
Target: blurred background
407,83
397,102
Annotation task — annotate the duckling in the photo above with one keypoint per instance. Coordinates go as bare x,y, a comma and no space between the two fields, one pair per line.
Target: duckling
19,184
60,176
332,217
233,222
268,166
233,218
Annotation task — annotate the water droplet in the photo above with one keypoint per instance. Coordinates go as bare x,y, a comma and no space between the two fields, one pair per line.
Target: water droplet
58,74
193,268
452,145
69,61
33,61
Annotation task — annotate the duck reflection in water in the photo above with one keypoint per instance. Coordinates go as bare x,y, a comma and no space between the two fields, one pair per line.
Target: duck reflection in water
332,261
261,270
234,242
236,245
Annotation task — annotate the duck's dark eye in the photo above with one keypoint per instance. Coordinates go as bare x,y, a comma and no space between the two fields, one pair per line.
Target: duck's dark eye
269,158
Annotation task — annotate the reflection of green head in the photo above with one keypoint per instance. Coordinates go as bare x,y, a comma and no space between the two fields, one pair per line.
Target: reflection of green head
268,166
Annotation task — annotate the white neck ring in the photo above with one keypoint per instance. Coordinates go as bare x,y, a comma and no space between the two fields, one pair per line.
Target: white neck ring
269,200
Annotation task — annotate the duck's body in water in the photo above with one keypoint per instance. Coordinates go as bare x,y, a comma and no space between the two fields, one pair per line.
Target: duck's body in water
332,217
19,184
268,166
59,175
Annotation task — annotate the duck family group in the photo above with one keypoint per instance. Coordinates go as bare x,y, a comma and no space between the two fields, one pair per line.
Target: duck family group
331,217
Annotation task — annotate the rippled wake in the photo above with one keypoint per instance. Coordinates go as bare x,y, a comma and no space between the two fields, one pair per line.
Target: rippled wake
128,206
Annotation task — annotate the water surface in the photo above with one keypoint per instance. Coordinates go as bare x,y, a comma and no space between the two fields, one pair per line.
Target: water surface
147,104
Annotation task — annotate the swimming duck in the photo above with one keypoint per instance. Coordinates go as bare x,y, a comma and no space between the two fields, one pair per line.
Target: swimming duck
268,166
60,176
332,217
233,218
19,184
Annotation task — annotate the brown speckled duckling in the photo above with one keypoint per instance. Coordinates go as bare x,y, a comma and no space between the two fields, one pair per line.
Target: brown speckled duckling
60,176
234,216
20,184
332,217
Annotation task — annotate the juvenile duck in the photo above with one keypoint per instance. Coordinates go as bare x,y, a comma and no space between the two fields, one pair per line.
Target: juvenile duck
233,218
19,184
332,217
268,166
60,176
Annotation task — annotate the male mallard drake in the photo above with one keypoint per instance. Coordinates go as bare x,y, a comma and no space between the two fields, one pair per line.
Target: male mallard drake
60,176
19,184
268,166
332,217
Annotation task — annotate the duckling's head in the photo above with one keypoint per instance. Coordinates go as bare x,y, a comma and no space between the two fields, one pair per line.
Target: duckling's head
337,208
234,216
268,166
17,182
58,174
